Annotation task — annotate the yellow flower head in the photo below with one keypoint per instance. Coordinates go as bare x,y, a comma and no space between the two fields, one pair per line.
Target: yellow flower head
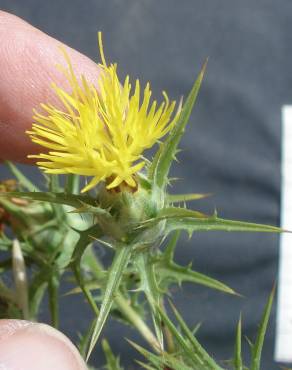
100,133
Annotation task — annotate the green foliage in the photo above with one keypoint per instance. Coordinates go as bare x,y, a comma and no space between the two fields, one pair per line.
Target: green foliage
112,362
56,230
258,345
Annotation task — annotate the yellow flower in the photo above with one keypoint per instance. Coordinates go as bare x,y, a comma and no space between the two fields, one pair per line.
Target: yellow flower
100,133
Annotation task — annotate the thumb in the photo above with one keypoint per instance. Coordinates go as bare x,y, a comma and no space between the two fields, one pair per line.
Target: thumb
29,346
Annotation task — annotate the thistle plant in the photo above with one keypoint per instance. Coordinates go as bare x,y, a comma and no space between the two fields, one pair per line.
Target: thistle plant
101,134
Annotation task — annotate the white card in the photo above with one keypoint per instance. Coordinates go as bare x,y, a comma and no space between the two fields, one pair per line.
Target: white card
283,350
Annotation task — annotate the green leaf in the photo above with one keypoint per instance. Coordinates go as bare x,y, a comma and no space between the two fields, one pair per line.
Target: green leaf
84,241
36,297
172,272
170,212
192,224
60,198
190,221
159,169
258,346
151,289
23,180
237,351
160,361
112,362
85,338
146,366
183,344
181,198
136,320
120,262
37,288
168,253
169,271
197,351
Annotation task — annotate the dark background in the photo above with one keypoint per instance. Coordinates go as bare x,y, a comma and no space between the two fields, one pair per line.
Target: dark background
232,146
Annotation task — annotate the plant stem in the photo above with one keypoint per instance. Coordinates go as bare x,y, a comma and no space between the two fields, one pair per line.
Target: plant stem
85,290
53,300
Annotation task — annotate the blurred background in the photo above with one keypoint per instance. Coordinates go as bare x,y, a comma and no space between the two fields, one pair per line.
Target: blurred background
232,147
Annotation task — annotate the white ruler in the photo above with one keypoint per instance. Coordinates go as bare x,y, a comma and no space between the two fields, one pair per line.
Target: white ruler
283,350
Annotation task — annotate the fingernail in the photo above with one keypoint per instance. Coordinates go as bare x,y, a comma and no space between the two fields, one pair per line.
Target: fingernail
30,346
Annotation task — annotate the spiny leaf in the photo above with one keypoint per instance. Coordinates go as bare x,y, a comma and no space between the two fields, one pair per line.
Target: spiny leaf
168,253
80,248
192,224
85,238
37,289
208,361
237,351
183,343
159,169
170,212
173,213
160,361
120,262
112,362
86,208
257,348
150,287
172,272
146,366
181,198
136,320
23,180
60,198
93,285
156,360
85,338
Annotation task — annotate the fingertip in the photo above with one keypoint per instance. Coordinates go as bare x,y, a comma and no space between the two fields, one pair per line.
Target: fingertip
30,346
27,69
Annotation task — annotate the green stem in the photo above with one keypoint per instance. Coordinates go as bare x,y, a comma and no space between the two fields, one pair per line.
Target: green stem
83,243
84,288
53,300
72,184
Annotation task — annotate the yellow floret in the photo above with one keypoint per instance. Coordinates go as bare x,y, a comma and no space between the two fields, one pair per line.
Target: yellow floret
101,133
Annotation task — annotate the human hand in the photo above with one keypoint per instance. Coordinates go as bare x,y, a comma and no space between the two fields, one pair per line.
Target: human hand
27,66
28,59
30,346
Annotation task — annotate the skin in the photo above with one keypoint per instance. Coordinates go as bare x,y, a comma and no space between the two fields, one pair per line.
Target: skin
29,346
27,67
